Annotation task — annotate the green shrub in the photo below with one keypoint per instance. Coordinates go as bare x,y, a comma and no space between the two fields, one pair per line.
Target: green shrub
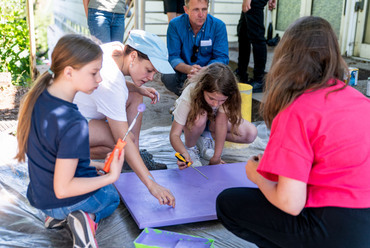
14,41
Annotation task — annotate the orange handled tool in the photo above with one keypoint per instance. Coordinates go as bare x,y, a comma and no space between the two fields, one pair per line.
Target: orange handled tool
120,145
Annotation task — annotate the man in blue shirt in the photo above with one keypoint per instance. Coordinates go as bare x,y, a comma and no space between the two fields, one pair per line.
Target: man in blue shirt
194,39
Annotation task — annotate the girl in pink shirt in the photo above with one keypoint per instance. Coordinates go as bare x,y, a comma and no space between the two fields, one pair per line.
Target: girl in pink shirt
314,177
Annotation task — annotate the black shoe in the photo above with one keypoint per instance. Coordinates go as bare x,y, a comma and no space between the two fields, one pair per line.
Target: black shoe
242,77
148,161
52,223
258,86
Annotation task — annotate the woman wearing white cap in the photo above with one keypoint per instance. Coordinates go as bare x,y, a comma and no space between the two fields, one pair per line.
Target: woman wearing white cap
112,107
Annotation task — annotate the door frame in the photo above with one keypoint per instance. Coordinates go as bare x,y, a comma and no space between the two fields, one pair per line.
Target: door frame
361,49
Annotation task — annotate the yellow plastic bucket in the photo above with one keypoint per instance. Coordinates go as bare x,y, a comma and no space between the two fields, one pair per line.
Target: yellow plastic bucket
246,95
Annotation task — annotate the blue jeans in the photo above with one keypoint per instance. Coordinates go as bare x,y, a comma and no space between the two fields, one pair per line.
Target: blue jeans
102,204
106,26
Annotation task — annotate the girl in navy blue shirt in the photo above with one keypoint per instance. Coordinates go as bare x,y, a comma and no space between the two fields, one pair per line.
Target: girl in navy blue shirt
55,137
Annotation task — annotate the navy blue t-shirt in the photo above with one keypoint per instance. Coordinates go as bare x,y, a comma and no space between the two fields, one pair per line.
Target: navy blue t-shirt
58,130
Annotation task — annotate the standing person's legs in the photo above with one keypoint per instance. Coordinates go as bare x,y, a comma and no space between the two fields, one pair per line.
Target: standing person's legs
99,24
249,215
256,33
169,7
244,49
173,8
117,28
180,7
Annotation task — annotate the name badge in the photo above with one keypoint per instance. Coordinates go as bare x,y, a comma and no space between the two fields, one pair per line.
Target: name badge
206,42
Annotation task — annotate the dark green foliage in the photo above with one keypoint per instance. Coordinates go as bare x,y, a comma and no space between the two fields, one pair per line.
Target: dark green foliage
14,41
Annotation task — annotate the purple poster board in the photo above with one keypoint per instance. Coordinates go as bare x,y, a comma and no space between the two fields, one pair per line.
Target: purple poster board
195,195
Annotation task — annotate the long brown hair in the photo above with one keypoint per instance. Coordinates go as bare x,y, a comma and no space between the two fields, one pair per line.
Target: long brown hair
216,77
306,58
71,50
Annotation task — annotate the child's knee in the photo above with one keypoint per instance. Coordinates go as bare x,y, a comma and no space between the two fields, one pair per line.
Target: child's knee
249,134
112,194
252,134
200,121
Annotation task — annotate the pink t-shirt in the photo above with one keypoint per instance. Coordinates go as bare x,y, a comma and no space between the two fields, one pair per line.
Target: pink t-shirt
324,142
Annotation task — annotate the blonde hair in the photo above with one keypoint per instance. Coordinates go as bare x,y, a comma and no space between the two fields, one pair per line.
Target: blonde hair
216,77
71,50
306,58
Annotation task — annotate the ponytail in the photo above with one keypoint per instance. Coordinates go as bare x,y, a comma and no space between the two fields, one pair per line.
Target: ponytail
25,113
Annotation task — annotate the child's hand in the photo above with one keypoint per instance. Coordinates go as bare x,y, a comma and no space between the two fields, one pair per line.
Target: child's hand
251,167
184,165
215,160
107,157
117,163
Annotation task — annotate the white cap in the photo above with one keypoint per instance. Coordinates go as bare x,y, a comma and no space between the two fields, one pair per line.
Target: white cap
152,46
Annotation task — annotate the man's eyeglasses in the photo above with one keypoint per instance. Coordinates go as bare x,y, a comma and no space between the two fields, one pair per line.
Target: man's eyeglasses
194,55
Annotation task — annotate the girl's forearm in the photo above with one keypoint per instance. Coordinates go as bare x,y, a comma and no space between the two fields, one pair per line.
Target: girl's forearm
219,145
83,185
220,134
177,144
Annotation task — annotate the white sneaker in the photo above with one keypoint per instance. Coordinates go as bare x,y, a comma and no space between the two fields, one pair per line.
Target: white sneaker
206,147
194,155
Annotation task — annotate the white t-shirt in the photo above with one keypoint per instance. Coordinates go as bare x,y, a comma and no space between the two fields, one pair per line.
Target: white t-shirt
183,105
109,100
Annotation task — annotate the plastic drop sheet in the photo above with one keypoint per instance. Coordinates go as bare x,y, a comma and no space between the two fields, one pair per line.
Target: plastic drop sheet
22,225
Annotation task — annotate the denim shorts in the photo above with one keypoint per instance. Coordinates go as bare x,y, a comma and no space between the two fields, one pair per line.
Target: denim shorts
176,6
102,204
106,26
